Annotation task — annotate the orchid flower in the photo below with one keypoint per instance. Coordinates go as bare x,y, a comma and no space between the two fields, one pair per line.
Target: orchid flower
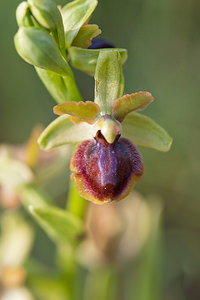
106,164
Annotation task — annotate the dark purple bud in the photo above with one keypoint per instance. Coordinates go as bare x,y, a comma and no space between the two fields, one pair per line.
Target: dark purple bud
100,43
105,172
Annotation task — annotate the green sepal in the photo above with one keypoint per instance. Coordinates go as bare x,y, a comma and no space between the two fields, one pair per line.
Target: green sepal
80,111
14,173
75,14
37,47
48,16
128,103
86,59
121,82
23,15
143,131
60,225
107,79
85,35
62,131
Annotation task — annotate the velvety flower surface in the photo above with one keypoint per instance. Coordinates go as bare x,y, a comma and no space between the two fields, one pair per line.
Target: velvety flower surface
104,172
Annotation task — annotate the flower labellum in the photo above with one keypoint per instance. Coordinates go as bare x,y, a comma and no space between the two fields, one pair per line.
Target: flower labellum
104,172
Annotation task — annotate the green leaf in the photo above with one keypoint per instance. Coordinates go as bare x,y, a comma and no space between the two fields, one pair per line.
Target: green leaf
128,103
48,15
57,223
107,79
82,111
14,173
62,131
23,15
37,47
75,14
143,131
60,225
31,196
85,35
86,59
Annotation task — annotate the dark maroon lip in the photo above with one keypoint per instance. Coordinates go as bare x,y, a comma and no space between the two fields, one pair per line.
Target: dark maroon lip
107,170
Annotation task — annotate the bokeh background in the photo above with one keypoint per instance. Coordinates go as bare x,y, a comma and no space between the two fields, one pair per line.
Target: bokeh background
163,42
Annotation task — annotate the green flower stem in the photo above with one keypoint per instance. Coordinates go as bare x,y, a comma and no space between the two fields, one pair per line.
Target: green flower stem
149,282
66,262
72,87
102,284
76,204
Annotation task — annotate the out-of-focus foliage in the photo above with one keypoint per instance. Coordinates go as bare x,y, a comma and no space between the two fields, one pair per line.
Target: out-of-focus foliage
163,41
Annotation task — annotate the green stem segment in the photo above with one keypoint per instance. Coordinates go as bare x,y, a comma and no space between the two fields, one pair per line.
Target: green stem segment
72,87
76,204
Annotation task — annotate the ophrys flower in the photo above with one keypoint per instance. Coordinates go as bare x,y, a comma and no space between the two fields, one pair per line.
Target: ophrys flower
106,164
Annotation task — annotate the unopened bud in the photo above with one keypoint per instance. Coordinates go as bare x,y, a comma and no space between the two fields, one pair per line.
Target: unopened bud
23,15
37,47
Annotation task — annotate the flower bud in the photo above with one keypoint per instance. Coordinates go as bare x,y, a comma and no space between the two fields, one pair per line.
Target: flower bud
46,13
105,172
37,47
23,15
100,44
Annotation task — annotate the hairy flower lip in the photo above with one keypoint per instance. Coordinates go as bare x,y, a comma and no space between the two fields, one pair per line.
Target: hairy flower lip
106,172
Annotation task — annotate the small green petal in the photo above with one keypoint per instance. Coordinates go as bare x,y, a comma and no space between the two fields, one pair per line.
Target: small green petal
83,111
75,14
62,131
85,35
107,79
86,59
128,103
37,47
143,131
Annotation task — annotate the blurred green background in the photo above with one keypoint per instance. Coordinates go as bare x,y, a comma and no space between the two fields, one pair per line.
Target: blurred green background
163,42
